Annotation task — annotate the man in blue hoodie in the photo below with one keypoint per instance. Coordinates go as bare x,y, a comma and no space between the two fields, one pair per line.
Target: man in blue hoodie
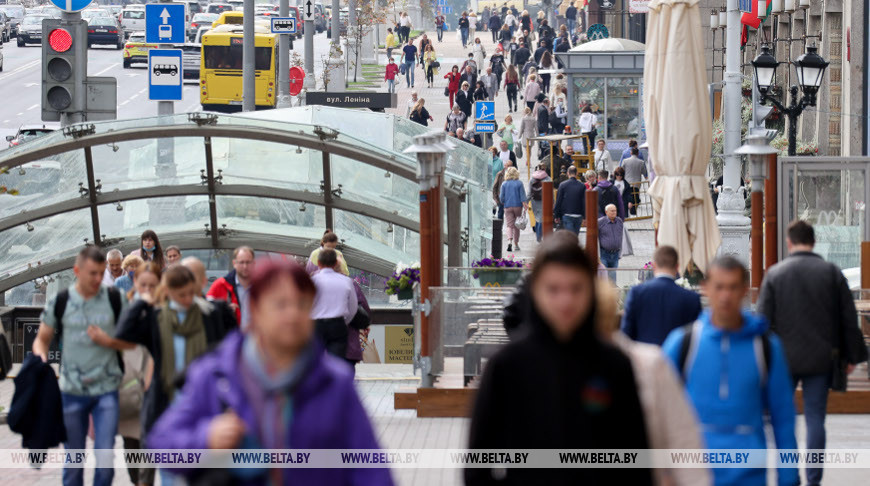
735,370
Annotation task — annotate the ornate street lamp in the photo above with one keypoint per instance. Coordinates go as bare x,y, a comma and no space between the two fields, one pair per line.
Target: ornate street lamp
809,69
757,151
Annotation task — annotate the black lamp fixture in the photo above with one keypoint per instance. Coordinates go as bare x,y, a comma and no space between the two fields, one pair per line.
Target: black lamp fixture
809,69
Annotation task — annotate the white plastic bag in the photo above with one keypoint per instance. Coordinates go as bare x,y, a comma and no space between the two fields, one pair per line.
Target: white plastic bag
523,221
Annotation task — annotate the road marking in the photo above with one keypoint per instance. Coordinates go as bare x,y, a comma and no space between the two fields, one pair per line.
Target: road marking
5,121
134,96
32,107
107,69
30,85
142,90
132,75
20,114
20,69
124,102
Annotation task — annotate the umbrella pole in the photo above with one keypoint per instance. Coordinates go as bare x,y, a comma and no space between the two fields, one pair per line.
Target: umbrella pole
592,226
757,264
547,208
529,158
770,220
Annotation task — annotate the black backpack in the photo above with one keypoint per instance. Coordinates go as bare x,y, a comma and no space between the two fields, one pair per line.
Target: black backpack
60,308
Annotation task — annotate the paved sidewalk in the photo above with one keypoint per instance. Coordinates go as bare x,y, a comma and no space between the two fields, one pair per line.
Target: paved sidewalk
450,52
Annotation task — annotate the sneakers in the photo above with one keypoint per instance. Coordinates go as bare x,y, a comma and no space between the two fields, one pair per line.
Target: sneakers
509,247
517,248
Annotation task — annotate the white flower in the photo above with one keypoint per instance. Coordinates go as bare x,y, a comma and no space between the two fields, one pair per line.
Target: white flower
684,283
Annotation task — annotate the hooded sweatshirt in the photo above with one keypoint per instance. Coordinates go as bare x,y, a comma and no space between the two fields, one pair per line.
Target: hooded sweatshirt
608,194
725,385
579,394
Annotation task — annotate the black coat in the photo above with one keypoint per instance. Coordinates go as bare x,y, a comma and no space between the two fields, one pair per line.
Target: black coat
521,57
579,394
138,324
36,411
807,301
543,115
471,79
464,101
422,117
480,94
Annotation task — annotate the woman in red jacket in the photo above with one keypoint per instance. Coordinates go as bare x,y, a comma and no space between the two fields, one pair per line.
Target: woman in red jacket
453,83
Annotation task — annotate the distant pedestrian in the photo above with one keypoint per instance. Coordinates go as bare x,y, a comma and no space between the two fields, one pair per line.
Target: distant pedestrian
526,21
473,24
114,269
439,25
809,306
512,195
494,25
627,152
272,388
602,157
405,22
512,87
506,154
571,17
507,132
419,114
610,239
528,130
390,43
410,57
490,82
497,163
608,194
546,64
542,111
736,375
390,73
329,241
90,373
150,248
536,198
635,172
453,83
625,189
125,282
173,255
480,92
335,304
511,22
233,288
423,47
498,212
658,306
430,64
570,206
478,52
470,74
456,120
531,92
496,62
411,103
463,28
587,127
585,393
504,36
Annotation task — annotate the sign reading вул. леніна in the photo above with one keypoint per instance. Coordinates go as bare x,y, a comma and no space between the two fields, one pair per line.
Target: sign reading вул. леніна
353,99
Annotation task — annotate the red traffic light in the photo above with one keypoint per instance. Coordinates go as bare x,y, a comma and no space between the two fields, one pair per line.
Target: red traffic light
60,40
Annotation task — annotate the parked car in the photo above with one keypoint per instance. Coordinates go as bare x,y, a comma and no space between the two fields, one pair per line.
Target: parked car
133,19
26,133
218,8
30,30
105,31
136,50
16,14
200,20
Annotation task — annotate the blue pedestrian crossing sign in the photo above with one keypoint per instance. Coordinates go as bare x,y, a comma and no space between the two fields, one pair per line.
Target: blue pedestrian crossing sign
165,23
485,127
71,5
164,74
484,110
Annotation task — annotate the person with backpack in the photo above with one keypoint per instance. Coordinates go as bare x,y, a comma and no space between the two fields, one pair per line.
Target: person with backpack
735,372
90,374
608,194
536,198
570,207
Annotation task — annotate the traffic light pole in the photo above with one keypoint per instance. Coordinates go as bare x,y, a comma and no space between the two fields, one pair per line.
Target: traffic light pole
284,58
167,107
80,72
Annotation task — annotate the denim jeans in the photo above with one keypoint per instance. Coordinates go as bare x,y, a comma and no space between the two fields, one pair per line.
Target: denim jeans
571,24
815,392
440,31
105,410
391,85
572,223
464,32
409,73
539,231
610,259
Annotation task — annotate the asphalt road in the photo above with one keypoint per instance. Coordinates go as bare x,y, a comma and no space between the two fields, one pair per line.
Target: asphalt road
20,83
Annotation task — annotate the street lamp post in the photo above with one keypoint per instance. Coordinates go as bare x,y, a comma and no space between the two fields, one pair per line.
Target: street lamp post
757,151
809,70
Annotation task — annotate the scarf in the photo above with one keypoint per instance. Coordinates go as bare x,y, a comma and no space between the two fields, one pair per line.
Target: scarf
193,331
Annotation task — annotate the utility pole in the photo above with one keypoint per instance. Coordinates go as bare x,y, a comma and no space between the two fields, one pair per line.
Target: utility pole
284,58
249,88
733,225
336,22
352,44
308,15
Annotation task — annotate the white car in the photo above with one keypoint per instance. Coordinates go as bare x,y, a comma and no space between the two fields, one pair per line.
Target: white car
133,18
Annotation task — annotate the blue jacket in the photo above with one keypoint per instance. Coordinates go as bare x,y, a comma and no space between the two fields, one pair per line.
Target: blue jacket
512,194
570,199
724,383
656,308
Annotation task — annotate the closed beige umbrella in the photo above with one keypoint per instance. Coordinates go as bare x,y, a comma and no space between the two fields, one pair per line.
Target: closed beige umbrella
679,130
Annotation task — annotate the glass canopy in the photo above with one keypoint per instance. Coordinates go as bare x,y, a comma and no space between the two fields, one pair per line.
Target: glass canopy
274,180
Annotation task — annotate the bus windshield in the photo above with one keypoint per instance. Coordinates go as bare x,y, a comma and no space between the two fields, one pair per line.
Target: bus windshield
230,57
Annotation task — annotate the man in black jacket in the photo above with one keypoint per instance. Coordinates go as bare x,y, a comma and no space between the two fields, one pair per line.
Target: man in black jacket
463,99
543,116
608,194
539,52
522,55
809,305
469,76
570,203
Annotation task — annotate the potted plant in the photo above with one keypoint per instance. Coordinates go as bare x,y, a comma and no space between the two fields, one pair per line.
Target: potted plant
497,271
401,283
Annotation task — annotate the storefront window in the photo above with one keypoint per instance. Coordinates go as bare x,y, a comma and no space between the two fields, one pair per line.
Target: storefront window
589,91
623,108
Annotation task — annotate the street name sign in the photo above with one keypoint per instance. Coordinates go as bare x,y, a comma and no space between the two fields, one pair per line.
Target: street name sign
356,99
484,127
484,110
283,25
164,74
164,23
71,5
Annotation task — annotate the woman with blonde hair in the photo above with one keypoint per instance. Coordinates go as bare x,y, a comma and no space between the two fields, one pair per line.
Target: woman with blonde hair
528,129
430,62
533,89
129,265
512,196
472,23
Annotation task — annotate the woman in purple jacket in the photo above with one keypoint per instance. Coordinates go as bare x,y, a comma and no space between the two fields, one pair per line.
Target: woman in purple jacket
272,388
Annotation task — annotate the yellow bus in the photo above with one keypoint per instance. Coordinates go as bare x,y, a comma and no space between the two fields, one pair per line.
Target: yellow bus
220,78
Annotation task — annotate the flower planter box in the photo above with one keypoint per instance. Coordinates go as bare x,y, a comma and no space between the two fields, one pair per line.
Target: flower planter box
405,294
498,278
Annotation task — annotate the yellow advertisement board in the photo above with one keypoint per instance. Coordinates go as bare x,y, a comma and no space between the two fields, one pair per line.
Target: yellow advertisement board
399,344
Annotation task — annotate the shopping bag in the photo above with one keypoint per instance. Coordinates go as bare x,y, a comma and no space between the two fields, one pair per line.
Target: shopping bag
522,221
402,69
532,221
518,150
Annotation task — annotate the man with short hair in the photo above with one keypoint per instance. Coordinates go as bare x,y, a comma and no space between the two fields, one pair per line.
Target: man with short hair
570,203
610,239
505,154
114,269
412,101
89,374
735,373
196,267
543,116
627,152
658,306
567,159
469,75
173,255
490,82
335,303
635,172
809,306
233,287
608,194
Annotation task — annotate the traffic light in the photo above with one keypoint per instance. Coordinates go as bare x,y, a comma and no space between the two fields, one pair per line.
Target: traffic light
64,66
